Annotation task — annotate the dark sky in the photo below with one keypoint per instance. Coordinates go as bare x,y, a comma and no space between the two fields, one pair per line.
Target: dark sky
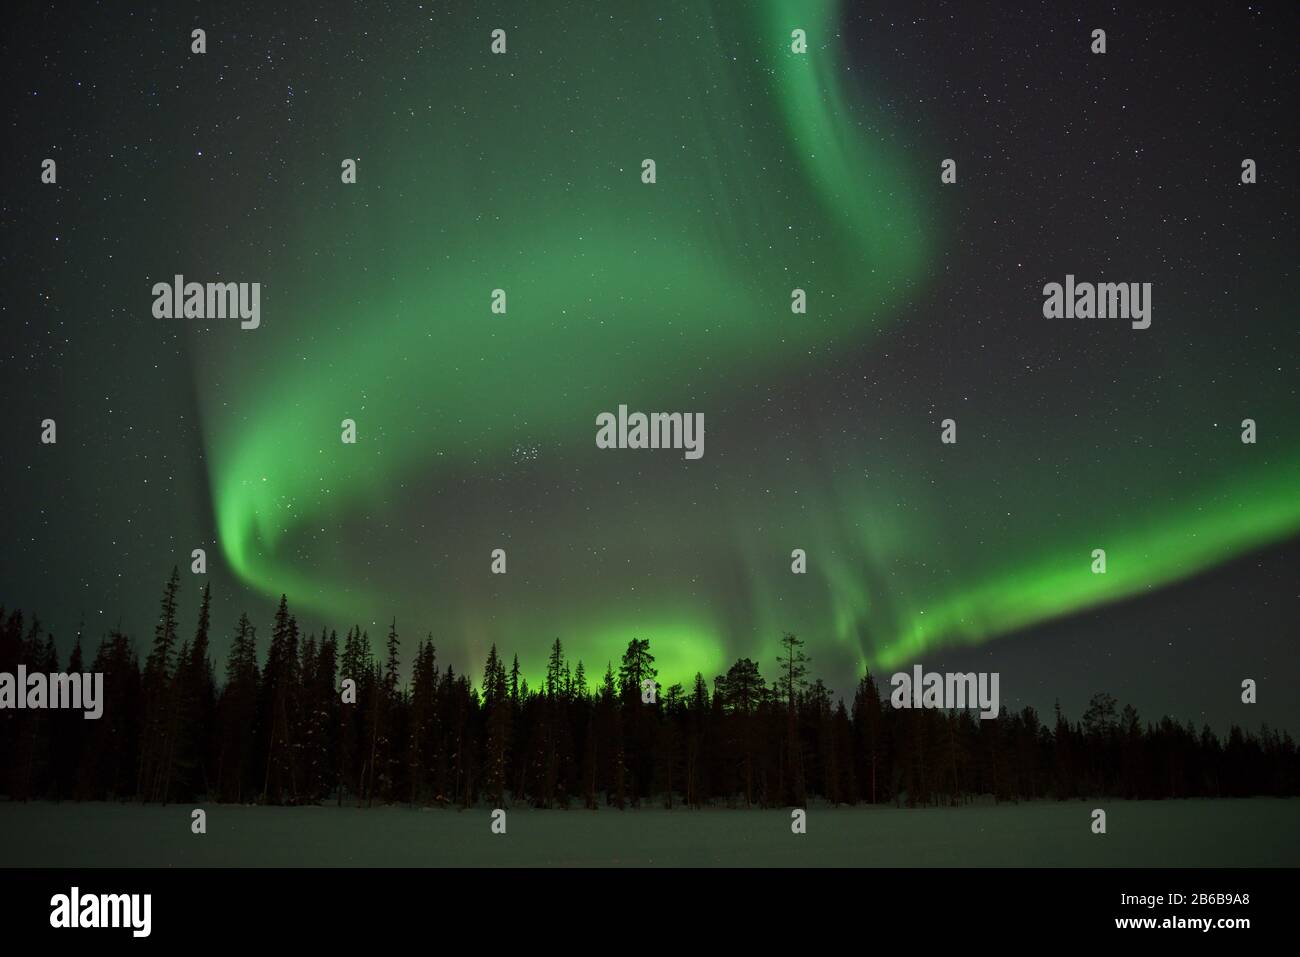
775,171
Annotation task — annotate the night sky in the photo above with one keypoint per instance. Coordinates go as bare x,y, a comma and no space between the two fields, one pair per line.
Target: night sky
775,171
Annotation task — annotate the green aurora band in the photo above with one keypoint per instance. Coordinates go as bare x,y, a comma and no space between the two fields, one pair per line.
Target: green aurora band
772,174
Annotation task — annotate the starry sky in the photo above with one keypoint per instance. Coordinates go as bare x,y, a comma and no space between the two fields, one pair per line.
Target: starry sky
775,171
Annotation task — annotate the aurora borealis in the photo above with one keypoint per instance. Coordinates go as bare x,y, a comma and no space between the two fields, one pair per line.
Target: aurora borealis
775,171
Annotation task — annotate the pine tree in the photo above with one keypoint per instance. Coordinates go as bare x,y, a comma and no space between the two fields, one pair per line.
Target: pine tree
638,719
322,717
354,666
609,721
423,741
668,759
793,668
740,693
113,749
867,723
555,670
188,745
790,684
497,706
308,652
386,748
71,733
637,666
698,710
281,694
280,732
159,694
237,716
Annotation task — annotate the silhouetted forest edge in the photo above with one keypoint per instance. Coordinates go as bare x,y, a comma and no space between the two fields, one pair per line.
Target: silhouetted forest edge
278,731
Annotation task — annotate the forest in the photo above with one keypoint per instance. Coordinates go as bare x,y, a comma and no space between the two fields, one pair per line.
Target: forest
281,727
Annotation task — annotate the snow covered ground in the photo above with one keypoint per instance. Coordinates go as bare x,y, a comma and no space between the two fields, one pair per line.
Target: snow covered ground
1255,832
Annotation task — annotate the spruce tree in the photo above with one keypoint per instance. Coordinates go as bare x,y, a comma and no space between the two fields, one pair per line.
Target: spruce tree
158,694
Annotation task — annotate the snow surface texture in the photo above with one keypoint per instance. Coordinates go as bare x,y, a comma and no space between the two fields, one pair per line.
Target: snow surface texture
1240,833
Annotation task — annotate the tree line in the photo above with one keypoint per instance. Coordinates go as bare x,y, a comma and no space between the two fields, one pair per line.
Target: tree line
317,720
